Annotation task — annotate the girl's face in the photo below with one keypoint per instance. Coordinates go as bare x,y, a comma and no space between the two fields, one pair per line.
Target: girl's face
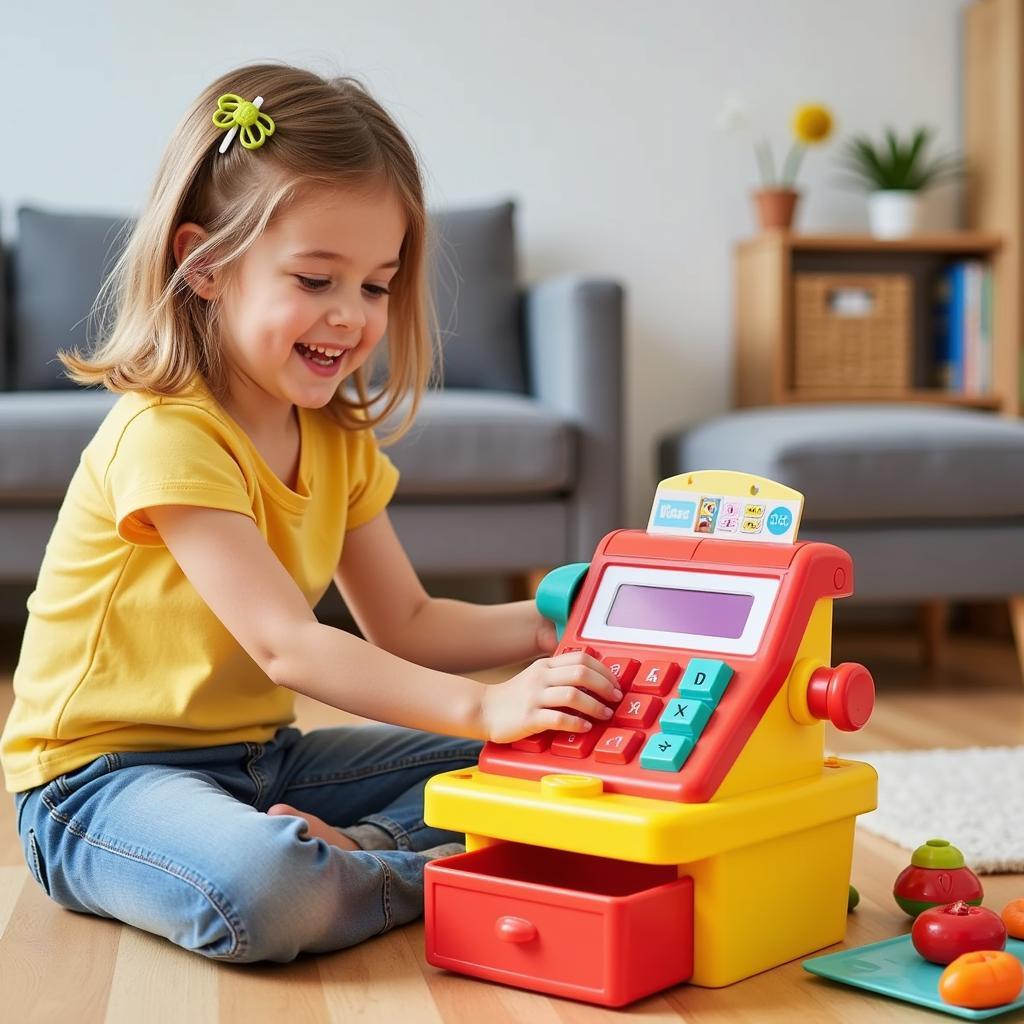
309,301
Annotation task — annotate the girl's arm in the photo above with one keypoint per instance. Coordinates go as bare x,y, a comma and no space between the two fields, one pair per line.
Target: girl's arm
388,602
235,572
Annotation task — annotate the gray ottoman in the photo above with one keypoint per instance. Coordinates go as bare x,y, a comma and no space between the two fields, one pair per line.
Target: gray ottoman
929,500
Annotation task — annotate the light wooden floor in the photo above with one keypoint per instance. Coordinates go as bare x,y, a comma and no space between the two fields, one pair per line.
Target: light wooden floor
63,967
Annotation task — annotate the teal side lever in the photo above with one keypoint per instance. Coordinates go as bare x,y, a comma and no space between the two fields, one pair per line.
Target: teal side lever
558,590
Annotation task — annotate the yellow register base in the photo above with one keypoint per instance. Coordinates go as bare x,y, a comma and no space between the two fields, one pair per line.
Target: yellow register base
771,868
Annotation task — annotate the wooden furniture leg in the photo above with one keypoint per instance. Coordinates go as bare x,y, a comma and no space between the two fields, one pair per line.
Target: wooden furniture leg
1017,621
934,620
523,586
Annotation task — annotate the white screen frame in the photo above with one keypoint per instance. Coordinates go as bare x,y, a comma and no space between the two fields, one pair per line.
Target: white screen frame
762,589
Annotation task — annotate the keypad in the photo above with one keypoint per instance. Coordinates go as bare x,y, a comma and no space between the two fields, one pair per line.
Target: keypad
655,677
705,679
638,710
534,744
665,708
624,670
574,744
618,746
685,717
664,753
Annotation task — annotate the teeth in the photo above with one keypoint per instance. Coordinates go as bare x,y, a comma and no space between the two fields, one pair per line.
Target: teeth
325,351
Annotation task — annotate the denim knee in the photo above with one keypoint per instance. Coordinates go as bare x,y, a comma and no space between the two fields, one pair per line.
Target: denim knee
310,897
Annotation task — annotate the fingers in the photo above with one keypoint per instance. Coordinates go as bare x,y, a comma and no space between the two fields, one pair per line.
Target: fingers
579,669
559,721
577,700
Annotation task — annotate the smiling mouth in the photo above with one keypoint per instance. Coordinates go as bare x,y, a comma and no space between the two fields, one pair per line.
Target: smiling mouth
320,354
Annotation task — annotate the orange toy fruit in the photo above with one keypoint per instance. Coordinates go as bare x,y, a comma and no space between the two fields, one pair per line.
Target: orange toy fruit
1013,918
982,979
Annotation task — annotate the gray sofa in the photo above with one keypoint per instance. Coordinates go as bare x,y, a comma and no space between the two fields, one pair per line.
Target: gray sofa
513,467
928,500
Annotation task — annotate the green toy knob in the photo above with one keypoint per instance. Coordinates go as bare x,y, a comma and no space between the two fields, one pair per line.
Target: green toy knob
557,591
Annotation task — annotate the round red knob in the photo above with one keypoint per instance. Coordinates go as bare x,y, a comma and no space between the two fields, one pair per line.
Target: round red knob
844,695
515,929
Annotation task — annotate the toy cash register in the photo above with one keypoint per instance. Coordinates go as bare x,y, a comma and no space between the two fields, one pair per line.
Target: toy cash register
700,834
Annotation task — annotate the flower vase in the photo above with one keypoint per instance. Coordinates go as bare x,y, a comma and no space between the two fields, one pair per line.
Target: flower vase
775,208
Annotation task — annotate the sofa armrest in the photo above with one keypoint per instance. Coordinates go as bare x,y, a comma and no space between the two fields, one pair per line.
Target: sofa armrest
5,342
574,357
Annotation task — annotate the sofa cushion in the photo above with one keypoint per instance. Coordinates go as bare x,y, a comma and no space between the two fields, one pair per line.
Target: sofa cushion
4,330
58,264
473,279
60,260
464,444
471,444
869,461
42,435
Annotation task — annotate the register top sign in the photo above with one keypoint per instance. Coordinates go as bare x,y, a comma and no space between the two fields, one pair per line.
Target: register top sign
727,506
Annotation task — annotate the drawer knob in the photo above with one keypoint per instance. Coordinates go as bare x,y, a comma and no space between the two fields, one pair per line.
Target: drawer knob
515,929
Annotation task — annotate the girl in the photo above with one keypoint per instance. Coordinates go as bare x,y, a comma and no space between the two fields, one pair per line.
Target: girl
156,779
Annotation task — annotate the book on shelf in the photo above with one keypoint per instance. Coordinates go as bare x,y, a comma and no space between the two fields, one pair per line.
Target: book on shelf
962,317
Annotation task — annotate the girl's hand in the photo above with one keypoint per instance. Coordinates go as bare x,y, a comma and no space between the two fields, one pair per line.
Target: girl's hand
544,695
547,638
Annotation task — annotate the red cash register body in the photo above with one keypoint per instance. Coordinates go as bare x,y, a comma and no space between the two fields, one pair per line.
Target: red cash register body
804,572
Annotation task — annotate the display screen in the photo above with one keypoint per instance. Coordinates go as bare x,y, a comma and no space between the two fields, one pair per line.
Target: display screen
670,610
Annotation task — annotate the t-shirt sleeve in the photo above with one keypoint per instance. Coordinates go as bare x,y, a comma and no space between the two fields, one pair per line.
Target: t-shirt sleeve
171,454
372,478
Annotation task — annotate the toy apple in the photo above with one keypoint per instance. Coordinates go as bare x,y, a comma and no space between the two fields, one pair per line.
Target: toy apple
944,933
937,875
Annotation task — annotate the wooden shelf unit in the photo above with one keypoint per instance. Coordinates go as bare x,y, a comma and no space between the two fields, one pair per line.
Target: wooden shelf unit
764,275
993,113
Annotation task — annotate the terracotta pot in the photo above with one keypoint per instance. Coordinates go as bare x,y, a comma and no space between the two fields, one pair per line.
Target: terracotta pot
775,208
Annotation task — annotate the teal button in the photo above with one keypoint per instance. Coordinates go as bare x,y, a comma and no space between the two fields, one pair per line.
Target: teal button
664,753
705,679
685,717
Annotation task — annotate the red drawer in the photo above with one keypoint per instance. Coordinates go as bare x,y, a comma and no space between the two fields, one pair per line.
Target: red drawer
590,928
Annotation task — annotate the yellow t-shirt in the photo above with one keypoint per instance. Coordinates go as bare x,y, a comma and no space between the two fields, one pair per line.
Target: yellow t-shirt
120,653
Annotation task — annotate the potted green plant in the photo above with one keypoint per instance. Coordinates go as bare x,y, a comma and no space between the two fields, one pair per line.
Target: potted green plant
895,173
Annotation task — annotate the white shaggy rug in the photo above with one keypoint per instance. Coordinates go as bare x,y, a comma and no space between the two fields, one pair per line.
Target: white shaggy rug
972,797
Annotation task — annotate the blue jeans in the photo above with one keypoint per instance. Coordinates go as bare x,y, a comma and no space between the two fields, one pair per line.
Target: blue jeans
176,842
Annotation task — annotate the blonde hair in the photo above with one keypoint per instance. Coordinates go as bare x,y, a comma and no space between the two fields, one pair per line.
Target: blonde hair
156,333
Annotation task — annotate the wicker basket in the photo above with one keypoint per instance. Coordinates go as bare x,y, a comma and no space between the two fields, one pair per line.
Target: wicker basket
852,333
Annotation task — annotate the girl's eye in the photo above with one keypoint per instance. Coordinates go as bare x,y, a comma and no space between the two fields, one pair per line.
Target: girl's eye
318,284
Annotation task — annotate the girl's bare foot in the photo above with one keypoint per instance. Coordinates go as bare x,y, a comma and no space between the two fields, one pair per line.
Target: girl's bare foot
316,827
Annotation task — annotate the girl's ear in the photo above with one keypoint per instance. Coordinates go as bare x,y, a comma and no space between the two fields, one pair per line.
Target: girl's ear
186,237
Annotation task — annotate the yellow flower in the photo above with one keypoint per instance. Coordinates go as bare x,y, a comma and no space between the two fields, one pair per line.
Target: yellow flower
812,123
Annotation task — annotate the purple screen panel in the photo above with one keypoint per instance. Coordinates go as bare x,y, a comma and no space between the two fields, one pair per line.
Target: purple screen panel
701,612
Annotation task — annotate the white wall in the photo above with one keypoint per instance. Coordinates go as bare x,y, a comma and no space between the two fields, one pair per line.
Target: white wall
600,116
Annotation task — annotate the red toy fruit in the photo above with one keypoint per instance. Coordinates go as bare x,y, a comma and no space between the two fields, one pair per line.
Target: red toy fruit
944,933
937,875
982,979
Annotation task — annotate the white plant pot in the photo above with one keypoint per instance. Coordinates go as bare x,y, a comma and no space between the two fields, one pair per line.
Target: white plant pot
893,213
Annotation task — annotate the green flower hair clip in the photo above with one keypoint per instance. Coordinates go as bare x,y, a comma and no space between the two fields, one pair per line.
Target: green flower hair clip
233,113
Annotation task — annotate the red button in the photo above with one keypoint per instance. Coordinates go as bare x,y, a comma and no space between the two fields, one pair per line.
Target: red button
618,746
574,744
656,677
844,695
585,650
638,710
533,744
623,669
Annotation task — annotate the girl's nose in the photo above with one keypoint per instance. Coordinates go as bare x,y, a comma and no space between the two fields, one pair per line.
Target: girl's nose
348,313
